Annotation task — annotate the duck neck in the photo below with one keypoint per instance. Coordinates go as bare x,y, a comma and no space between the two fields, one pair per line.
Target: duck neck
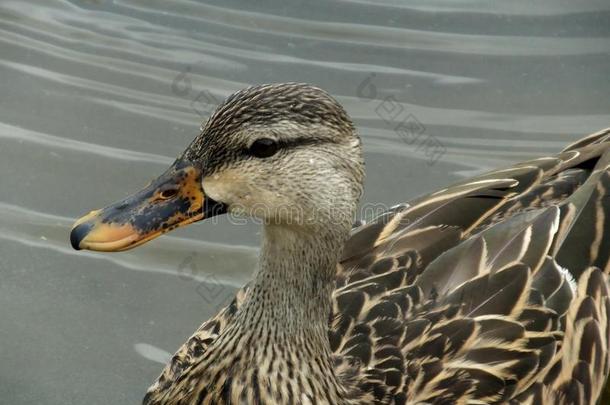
291,292
286,312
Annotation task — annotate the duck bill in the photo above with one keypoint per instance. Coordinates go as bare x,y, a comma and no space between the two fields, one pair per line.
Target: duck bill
174,199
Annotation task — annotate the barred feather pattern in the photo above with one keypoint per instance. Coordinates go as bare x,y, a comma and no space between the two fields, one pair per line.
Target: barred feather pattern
493,290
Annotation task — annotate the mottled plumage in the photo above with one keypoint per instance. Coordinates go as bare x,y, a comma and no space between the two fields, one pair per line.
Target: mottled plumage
492,290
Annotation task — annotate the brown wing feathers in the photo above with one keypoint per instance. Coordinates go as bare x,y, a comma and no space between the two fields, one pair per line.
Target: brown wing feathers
509,281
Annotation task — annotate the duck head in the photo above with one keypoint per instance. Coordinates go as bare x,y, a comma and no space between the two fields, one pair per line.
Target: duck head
286,154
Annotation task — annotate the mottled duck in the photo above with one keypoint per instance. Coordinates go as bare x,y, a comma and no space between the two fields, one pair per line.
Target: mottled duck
492,290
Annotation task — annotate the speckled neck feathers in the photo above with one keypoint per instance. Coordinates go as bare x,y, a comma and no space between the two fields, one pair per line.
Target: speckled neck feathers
276,350
292,289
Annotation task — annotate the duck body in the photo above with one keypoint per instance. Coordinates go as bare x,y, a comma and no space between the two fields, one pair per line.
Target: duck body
493,290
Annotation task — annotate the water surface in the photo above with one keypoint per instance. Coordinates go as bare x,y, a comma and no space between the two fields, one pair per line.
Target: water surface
99,96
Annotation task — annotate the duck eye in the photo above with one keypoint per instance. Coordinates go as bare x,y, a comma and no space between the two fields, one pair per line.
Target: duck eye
264,147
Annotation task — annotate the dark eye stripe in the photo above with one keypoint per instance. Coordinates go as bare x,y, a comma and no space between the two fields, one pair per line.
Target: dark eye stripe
300,141
285,144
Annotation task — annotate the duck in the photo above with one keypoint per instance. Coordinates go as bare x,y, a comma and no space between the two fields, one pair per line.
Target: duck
491,290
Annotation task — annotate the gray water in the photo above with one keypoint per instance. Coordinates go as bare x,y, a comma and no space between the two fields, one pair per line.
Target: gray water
98,97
